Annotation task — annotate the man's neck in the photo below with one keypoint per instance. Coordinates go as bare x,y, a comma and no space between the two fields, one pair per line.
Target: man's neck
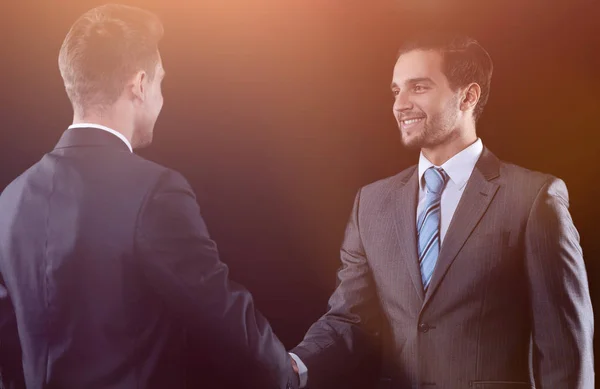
105,121
439,154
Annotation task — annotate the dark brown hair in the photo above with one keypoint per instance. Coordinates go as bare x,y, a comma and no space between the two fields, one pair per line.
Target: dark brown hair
464,61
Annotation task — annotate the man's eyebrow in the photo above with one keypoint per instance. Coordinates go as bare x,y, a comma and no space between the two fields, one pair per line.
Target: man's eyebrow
420,79
414,81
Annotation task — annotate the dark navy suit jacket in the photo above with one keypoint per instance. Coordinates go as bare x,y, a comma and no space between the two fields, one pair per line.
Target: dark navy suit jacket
108,273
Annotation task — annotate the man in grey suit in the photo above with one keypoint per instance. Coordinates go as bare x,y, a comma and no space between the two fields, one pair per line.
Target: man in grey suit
465,271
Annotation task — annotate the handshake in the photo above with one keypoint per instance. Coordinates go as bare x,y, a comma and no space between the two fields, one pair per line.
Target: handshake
295,366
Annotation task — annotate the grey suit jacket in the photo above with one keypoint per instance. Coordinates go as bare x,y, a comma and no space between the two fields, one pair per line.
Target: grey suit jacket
508,305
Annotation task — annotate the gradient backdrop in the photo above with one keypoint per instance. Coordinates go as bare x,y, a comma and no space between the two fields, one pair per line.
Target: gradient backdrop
277,111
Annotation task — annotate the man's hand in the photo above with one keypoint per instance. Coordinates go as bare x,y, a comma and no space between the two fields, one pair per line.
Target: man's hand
300,369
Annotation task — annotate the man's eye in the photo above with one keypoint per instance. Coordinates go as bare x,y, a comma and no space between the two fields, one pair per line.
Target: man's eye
419,88
395,92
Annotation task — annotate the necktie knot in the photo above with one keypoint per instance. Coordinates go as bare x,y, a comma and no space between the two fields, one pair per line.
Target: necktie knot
435,180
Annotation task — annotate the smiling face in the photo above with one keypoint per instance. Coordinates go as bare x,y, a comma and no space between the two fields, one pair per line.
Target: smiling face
426,108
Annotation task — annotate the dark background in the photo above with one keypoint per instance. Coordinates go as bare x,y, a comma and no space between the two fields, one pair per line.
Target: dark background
278,111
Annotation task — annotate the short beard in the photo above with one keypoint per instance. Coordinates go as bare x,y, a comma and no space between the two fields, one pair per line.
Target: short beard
438,131
429,137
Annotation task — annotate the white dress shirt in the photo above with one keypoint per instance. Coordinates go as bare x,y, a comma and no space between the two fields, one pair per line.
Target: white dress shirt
459,168
104,128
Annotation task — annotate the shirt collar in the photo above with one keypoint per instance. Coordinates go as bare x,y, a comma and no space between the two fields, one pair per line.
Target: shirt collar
104,128
458,168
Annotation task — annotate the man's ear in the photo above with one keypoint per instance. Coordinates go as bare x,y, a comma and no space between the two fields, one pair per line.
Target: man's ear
137,85
470,97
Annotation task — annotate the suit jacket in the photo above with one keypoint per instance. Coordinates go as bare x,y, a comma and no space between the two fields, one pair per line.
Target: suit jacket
110,272
508,306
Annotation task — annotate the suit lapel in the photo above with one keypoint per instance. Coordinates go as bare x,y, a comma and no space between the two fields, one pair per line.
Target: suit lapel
478,195
406,232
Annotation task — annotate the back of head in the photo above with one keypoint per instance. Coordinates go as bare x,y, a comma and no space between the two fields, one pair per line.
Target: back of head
465,61
103,49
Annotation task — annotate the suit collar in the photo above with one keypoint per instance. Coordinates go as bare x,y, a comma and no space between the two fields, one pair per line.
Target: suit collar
488,165
90,137
104,128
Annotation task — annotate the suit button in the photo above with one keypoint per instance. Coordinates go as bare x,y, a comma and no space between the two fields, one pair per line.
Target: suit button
423,327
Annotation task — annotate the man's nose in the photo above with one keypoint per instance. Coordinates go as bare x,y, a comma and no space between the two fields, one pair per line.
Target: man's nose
402,102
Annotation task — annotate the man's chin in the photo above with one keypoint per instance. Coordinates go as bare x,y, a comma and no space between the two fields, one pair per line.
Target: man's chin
145,143
142,145
412,143
142,142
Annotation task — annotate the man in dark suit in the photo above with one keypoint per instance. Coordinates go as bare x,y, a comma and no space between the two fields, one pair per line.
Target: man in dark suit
464,270
107,268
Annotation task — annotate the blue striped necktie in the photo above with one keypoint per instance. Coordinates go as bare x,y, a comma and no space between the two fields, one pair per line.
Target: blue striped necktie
428,224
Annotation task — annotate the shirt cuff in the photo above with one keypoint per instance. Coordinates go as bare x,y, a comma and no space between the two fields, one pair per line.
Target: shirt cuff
302,370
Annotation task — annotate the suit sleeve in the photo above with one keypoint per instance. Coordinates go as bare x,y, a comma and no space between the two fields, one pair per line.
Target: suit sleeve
181,264
347,335
562,315
11,368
